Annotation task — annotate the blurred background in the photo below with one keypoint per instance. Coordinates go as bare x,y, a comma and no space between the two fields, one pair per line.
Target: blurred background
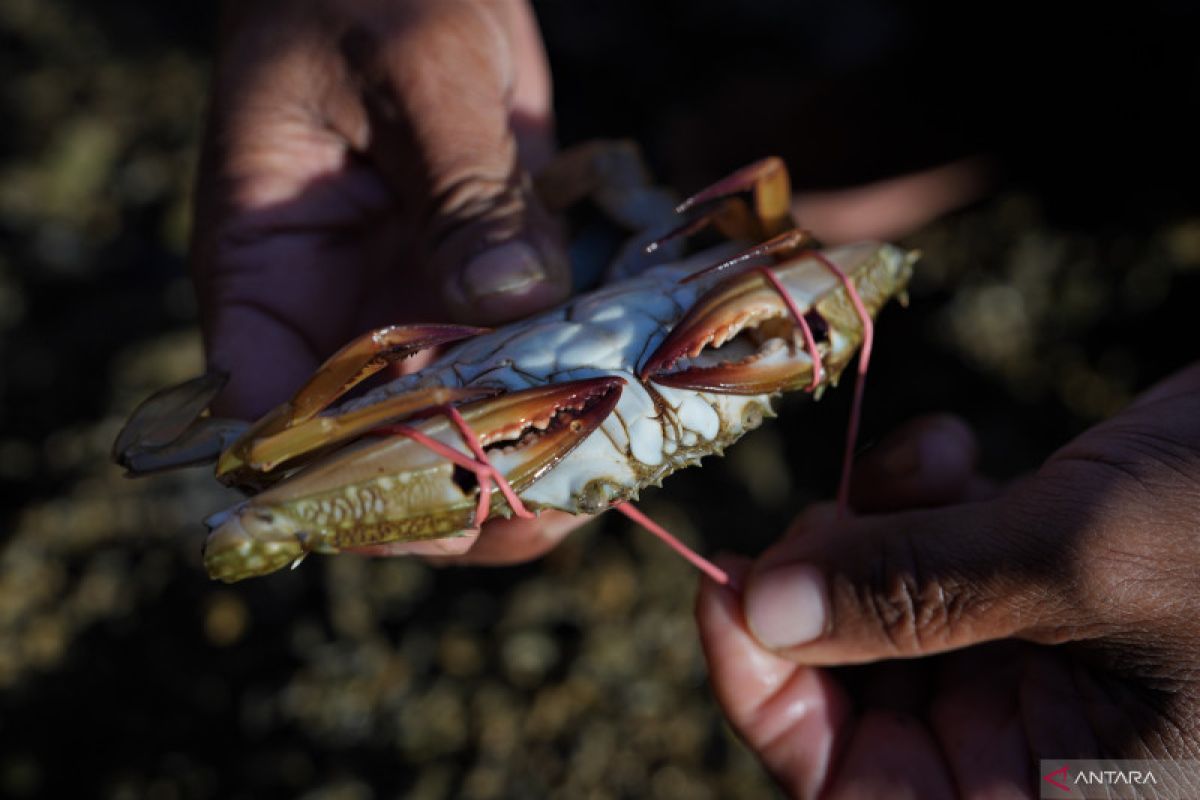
125,673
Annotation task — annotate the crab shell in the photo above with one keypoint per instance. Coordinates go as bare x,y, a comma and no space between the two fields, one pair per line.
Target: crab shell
594,400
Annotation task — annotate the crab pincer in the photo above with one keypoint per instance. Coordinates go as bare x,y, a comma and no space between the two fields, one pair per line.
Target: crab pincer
294,431
394,487
173,428
743,337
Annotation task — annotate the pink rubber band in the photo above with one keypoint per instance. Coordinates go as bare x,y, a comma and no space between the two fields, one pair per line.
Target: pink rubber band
810,342
699,562
485,473
472,440
810,345
864,360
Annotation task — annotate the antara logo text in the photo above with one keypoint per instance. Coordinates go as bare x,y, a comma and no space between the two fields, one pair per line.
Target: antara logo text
1063,779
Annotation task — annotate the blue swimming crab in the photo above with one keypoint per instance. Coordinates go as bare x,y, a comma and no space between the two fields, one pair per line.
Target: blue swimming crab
575,409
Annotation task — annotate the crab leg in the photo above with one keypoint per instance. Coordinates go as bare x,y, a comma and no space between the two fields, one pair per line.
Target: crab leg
484,472
268,452
365,356
169,428
261,448
613,175
795,241
786,243
766,213
738,336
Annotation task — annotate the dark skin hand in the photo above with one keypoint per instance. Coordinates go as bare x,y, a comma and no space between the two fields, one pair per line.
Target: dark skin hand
367,162
1059,618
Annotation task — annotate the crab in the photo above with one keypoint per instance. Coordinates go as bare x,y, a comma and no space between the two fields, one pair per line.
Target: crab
575,409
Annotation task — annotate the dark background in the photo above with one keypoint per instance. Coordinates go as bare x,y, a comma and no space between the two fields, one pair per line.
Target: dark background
125,673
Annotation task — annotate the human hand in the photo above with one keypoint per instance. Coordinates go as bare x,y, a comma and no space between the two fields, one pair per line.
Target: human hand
366,163
1059,619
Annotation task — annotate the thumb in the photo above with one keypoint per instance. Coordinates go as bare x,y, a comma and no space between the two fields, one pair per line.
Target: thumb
457,102
917,583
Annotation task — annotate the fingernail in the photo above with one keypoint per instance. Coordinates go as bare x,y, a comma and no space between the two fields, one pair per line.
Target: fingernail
787,605
510,268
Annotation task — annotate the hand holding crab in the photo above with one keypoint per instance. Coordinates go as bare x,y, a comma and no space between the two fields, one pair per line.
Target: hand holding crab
1057,619
575,410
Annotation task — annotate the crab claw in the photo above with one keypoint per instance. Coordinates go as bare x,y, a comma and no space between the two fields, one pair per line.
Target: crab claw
740,337
170,429
394,488
365,356
294,429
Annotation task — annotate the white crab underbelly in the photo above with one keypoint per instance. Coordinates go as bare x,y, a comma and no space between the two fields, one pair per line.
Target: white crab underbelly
638,446
608,332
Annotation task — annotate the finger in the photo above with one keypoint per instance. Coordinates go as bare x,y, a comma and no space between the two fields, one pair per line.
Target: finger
872,588
515,541
502,541
1057,716
439,79
430,548
979,489
892,208
531,115
1180,384
929,461
814,517
792,717
891,755
282,213
977,721
266,359
276,281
